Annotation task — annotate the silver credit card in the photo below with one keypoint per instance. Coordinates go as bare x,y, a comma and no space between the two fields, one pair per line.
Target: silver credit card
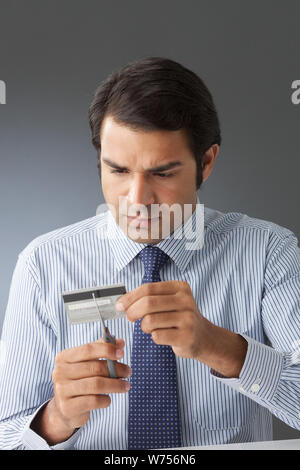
81,308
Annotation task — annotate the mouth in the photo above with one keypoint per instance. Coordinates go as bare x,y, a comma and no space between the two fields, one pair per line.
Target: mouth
142,222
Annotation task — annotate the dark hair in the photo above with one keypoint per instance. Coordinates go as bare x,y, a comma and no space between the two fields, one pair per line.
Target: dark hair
155,93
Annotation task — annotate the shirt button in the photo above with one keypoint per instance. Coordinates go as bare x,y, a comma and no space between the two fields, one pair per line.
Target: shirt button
242,389
254,388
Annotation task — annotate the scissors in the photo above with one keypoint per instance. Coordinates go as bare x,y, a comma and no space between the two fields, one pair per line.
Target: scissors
108,338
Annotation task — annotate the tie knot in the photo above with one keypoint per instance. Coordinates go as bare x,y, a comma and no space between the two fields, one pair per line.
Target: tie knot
153,258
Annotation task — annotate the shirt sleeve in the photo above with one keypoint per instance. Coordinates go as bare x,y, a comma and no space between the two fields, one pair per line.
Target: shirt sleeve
271,372
33,441
28,349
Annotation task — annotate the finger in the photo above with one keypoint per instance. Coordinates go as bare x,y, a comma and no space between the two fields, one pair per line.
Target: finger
151,288
94,386
79,405
162,320
96,368
168,337
120,343
152,304
90,351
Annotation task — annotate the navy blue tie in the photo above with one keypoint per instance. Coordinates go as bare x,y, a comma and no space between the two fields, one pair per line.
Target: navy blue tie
153,398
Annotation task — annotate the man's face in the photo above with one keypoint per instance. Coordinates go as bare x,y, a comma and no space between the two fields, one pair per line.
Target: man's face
142,168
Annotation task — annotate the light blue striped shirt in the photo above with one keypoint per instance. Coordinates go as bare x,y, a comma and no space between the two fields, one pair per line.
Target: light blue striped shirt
245,277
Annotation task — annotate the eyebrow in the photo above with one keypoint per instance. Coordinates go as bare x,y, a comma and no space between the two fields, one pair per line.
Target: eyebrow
155,169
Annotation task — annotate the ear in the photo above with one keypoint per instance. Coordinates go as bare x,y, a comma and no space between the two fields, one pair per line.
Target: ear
99,165
208,160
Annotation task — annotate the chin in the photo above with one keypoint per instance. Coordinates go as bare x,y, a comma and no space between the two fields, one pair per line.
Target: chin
144,239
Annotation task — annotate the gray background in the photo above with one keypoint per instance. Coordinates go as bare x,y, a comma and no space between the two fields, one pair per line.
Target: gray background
53,55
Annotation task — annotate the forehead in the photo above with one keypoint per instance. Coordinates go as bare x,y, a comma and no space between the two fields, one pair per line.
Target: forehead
119,139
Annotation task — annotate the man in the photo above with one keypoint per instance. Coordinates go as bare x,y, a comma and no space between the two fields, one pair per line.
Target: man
208,348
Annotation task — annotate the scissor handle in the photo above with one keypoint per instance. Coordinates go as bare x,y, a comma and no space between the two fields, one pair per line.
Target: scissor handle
108,338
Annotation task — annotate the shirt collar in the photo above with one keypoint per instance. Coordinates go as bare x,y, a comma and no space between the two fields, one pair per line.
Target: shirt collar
177,246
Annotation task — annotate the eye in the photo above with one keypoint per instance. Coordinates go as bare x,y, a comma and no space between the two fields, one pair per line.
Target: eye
119,172
164,175
161,175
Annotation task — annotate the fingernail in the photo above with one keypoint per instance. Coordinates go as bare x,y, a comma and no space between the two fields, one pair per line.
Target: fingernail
119,353
120,307
127,385
129,373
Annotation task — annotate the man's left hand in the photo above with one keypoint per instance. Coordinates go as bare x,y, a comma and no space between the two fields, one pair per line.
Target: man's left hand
170,314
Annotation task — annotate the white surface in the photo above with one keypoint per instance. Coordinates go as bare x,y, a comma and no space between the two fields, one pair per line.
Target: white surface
289,444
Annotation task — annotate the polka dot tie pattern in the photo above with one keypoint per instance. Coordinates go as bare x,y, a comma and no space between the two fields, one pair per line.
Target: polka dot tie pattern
153,398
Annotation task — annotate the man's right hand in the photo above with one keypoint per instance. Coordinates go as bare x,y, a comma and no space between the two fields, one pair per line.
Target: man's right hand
81,384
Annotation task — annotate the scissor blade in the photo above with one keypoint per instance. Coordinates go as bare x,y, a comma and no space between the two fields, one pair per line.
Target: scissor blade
101,319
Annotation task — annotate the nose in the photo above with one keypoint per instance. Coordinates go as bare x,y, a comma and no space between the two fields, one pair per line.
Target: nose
140,191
